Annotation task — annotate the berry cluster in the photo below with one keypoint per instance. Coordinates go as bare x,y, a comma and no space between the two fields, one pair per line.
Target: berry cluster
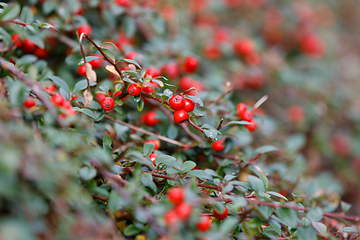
182,107
246,115
29,46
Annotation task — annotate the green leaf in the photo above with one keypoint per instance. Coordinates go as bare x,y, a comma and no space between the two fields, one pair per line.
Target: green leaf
266,148
110,44
288,216
308,233
140,105
88,59
227,188
315,214
256,184
82,84
108,53
86,111
26,60
130,61
36,39
121,131
148,148
276,226
345,206
107,142
238,202
140,158
238,123
187,166
305,222
113,202
60,82
131,230
196,100
26,15
147,180
265,181
129,26
87,173
199,174
277,195
10,12
320,228
228,225
350,229
172,132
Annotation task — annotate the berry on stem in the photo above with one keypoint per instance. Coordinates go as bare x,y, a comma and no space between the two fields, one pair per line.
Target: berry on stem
253,126
50,89
189,105
99,97
96,63
221,216
204,224
246,116
107,103
152,72
176,102
180,116
241,108
218,145
30,102
82,70
84,29
176,195
134,90
150,118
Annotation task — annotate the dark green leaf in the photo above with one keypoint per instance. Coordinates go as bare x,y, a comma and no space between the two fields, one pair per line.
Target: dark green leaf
108,53
256,184
265,181
130,61
187,166
87,173
147,180
86,111
10,12
315,214
266,148
350,229
308,233
60,82
82,84
131,230
289,216
148,148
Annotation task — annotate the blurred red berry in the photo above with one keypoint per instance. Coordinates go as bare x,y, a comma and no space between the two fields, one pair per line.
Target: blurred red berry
84,29
244,47
183,211
28,46
253,126
221,215
18,42
204,224
29,103
176,195
191,64
150,118
57,100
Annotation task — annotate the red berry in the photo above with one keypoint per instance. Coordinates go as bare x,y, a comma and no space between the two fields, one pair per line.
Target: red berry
176,102
99,97
171,70
246,116
152,72
221,35
189,105
131,55
218,145
212,52
107,103
312,45
244,47
96,63
153,157
221,216
170,217
57,100
187,82
176,195
84,29
241,108
180,116
296,113
253,59
18,42
204,224
134,90
183,211
252,127
190,64
82,70
150,119
40,52
28,46
155,142
123,3
122,41
30,102
50,89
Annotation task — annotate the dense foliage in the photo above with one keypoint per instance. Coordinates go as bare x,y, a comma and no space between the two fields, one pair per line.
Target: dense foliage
196,119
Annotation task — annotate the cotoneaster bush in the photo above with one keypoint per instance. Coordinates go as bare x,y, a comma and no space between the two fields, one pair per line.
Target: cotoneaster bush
175,120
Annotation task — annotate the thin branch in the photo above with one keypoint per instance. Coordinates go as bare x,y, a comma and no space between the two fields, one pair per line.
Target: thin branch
84,58
259,102
196,126
146,132
35,87
219,98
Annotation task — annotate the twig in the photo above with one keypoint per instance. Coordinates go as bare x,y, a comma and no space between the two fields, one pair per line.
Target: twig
259,102
146,132
220,123
196,126
83,54
16,21
35,87
219,98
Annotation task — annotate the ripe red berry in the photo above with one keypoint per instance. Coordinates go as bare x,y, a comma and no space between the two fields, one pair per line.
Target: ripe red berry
246,116
50,89
191,64
221,216
28,46
131,55
212,52
312,45
82,70
183,211
176,195
253,126
244,47
150,118
176,102
123,3
152,72
153,157
99,97
170,217
96,63
84,29
171,70
107,103
30,102
134,90
218,145
18,42
204,224
241,108
155,142
57,100
189,105
187,82
180,116
40,52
